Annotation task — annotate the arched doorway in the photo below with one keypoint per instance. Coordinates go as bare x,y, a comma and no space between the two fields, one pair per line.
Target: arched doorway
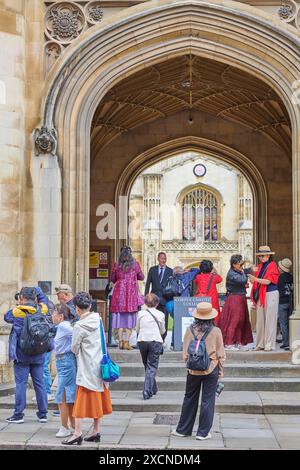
93,66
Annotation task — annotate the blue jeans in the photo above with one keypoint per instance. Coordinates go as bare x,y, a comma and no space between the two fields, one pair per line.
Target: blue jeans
284,312
21,372
47,376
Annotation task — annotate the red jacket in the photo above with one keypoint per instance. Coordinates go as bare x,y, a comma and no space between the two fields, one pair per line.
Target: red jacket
271,274
202,281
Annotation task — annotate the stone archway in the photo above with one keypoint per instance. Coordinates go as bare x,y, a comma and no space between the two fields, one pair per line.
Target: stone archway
125,44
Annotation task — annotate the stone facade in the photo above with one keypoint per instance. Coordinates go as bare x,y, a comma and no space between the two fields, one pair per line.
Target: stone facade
52,81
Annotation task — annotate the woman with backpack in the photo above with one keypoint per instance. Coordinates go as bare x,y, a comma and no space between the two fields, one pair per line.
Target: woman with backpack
204,372
206,283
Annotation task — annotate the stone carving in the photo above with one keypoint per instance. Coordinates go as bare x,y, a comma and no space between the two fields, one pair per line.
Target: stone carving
64,22
52,52
45,141
188,245
289,12
94,12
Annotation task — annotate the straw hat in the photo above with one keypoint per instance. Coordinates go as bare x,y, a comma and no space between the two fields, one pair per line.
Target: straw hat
285,265
265,250
204,311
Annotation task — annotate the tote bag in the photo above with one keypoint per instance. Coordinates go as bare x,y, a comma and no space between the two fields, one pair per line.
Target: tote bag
110,372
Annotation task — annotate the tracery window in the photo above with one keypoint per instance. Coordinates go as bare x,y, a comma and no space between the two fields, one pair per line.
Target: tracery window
200,216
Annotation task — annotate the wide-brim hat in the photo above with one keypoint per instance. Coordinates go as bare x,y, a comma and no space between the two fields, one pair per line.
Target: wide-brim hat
205,311
264,250
285,265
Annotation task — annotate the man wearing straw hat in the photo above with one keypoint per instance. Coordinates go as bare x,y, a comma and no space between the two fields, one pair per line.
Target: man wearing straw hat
265,295
285,287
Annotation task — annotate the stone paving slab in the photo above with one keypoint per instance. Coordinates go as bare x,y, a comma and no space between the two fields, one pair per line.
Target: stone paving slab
137,431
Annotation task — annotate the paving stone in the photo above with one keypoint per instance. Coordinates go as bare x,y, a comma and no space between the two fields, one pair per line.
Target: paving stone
244,423
289,443
247,433
251,443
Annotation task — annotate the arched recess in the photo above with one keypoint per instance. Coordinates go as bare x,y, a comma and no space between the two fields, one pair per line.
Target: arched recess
213,149
230,32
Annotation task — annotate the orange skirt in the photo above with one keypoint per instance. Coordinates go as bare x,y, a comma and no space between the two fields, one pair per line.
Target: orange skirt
91,404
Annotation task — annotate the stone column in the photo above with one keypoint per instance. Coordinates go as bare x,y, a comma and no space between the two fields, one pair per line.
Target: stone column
151,231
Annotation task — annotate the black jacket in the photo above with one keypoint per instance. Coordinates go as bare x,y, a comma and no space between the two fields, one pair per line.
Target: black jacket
236,282
156,286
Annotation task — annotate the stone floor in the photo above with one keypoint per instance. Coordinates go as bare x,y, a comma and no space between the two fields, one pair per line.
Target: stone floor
129,430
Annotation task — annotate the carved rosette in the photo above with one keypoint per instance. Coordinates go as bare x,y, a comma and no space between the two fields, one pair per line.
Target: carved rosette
64,22
288,11
94,12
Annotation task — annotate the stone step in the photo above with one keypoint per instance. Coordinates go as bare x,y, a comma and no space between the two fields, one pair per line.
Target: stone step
120,356
7,389
262,402
170,369
231,383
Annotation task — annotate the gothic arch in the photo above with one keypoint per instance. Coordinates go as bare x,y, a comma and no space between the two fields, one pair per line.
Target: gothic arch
229,32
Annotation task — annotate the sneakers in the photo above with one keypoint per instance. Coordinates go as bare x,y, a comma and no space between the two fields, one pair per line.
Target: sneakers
56,413
177,434
14,420
203,438
63,432
43,419
50,397
231,348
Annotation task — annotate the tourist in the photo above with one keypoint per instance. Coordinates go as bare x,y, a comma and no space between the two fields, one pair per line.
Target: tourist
65,296
66,368
181,280
125,299
150,327
25,364
157,278
203,325
234,321
206,284
265,295
285,308
92,396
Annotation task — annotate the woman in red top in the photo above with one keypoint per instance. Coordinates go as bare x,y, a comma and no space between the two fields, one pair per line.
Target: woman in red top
206,283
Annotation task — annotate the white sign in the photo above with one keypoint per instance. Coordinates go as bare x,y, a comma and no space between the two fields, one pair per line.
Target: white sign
186,322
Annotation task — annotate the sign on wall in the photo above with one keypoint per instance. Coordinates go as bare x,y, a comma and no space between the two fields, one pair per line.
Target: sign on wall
99,270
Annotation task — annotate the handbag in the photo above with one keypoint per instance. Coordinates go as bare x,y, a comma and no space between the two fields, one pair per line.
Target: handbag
155,319
110,372
255,294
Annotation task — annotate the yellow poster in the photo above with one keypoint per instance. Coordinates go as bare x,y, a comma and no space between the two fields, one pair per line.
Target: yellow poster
94,259
102,272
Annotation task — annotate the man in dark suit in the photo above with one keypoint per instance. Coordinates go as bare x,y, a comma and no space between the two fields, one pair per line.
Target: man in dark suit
157,278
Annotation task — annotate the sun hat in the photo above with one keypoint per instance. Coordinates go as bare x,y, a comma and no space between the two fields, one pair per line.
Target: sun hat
204,311
264,250
285,265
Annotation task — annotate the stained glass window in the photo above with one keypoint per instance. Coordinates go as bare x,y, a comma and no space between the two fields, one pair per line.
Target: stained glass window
200,216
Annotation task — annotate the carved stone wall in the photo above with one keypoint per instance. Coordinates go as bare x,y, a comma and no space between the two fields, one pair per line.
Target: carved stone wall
66,21
289,12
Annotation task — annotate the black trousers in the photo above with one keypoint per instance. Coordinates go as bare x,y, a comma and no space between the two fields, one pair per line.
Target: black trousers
191,400
162,308
150,352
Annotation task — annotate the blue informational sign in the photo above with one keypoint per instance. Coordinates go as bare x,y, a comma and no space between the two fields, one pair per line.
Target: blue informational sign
183,316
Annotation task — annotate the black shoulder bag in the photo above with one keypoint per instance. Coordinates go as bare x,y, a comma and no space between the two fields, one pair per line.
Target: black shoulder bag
156,321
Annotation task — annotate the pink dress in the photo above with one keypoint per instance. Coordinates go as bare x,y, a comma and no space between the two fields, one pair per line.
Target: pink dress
124,302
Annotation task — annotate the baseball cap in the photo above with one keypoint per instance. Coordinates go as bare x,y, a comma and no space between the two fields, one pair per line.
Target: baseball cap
65,288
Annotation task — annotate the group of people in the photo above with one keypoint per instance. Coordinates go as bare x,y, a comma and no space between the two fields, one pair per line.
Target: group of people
74,335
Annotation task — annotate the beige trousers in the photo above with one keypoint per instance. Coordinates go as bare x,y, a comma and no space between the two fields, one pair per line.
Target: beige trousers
266,322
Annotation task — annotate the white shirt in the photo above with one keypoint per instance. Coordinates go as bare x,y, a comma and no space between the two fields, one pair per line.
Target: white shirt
146,326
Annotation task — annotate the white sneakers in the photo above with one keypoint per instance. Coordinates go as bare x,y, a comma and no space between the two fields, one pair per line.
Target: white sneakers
63,432
199,438
50,397
177,434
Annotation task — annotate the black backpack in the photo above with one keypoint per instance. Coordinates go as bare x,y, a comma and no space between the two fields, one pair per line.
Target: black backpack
174,288
36,335
198,358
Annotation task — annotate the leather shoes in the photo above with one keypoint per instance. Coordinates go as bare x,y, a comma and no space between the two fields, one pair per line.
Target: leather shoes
93,438
76,440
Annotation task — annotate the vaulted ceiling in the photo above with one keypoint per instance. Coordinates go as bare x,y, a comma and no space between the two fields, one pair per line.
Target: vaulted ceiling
187,83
